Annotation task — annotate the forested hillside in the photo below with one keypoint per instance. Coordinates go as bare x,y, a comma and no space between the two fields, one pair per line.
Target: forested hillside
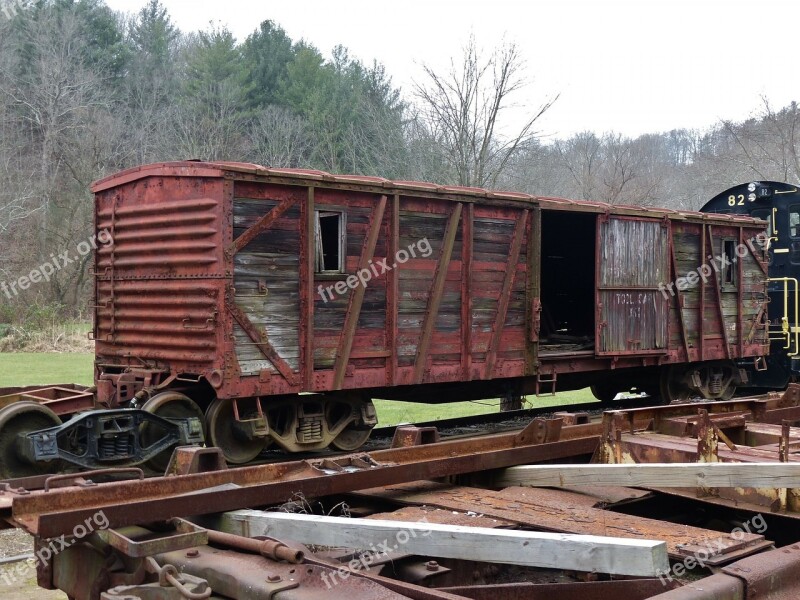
85,92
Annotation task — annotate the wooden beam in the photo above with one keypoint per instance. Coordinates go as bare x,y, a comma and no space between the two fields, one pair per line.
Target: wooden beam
357,296
505,293
392,292
466,292
655,475
261,341
260,226
307,291
598,554
435,294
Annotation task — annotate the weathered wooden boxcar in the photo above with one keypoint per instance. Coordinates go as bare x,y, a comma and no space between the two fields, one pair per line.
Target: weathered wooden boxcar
277,303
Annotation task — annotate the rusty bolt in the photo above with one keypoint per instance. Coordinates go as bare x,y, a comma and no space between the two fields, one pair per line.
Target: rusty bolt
432,565
192,554
274,578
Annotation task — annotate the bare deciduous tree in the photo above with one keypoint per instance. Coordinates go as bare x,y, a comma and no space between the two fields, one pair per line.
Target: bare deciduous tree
769,146
279,138
463,109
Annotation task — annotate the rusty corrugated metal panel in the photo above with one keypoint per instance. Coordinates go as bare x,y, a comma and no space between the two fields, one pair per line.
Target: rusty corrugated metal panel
632,263
159,283
157,319
172,238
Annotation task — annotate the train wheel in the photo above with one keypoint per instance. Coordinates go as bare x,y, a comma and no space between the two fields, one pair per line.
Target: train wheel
20,418
351,439
236,446
605,392
354,420
673,387
167,405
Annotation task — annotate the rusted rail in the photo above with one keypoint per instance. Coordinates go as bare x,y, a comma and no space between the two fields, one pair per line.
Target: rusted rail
749,537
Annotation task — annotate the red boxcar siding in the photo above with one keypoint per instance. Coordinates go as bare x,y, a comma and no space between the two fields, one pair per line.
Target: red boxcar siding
421,336
212,274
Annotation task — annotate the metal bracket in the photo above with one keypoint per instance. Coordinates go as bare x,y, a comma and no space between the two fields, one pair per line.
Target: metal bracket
108,437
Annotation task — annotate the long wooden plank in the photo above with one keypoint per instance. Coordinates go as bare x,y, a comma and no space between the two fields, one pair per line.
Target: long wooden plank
599,554
435,295
261,225
357,297
661,475
505,293
564,511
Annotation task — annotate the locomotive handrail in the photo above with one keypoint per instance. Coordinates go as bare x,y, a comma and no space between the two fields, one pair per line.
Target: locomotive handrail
789,331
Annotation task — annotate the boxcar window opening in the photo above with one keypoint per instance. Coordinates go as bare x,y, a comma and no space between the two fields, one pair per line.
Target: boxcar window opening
729,262
330,243
567,281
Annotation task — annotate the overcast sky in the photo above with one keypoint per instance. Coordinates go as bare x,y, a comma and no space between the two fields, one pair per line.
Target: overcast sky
631,66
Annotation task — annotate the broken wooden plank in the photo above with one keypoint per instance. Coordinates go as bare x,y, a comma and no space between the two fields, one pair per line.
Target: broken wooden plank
600,554
660,475
567,512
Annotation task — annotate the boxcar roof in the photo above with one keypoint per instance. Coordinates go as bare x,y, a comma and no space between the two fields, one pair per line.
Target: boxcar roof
254,172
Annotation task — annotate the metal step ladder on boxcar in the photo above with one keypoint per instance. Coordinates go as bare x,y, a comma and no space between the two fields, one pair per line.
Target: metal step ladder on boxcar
552,381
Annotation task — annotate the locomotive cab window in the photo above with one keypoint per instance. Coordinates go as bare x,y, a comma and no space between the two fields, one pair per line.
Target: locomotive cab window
329,234
794,221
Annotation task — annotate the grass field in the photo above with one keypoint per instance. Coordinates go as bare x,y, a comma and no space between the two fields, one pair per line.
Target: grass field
45,368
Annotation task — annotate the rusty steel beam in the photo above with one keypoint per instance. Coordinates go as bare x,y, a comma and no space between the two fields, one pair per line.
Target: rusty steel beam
638,589
357,297
435,294
505,293
130,503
